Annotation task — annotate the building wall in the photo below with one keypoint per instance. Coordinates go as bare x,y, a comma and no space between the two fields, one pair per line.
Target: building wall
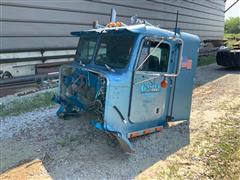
48,23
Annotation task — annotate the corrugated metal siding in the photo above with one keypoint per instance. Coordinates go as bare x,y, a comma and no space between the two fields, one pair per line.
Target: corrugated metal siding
47,24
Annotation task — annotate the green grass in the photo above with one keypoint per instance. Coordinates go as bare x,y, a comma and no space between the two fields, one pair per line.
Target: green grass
231,35
26,104
206,60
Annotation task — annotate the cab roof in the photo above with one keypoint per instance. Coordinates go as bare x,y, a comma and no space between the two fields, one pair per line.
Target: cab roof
139,29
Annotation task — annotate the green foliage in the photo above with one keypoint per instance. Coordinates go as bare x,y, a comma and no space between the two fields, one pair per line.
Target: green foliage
231,36
231,39
26,104
206,60
232,25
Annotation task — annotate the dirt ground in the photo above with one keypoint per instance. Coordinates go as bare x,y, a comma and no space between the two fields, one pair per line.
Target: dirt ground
30,170
214,104
72,149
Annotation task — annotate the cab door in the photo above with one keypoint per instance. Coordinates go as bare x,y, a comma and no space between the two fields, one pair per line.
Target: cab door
149,100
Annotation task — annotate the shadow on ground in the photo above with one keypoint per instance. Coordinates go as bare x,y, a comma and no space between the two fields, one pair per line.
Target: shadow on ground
95,157
212,72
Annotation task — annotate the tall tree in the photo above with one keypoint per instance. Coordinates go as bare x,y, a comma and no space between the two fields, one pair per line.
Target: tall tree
232,25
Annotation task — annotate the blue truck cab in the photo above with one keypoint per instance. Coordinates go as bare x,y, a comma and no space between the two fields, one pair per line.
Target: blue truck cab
135,78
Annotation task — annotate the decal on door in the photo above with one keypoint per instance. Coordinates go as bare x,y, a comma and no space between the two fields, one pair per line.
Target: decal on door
150,86
186,63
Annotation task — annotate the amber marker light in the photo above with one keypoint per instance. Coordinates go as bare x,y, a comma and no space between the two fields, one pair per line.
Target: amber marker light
111,24
164,83
118,24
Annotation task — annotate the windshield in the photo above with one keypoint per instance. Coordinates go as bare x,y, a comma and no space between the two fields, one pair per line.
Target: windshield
85,49
114,50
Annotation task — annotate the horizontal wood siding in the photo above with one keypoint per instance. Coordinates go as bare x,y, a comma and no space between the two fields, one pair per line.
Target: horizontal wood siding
47,24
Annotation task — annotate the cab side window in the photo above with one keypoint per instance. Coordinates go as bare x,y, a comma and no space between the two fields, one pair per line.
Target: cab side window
158,60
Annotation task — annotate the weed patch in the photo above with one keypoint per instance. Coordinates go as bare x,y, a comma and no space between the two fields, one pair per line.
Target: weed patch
214,154
26,104
206,60
223,160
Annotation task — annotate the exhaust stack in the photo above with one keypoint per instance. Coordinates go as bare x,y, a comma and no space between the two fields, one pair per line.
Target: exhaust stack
113,15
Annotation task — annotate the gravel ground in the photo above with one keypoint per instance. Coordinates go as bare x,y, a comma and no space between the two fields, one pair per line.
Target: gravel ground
72,149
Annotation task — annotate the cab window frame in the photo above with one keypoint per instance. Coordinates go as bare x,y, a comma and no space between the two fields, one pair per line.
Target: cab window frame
126,66
94,39
156,40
